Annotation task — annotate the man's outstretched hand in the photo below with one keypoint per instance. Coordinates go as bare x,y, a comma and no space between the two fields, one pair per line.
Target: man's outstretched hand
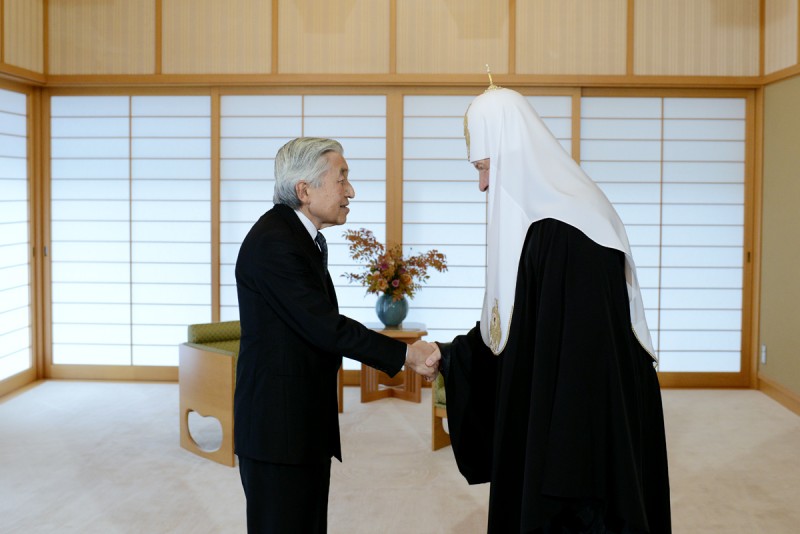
423,358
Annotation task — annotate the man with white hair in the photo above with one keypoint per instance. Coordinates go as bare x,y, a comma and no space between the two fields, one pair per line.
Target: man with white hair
286,426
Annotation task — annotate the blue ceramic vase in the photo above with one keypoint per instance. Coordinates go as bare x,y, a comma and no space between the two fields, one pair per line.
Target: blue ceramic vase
391,313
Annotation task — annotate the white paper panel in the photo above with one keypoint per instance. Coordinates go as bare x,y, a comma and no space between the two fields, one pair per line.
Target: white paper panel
619,193
95,127
632,150
171,106
14,168
260,126
343,128
433,127
261,106
344,106
457,169
95,293
698,362
728,130
89,148
437,106
97,316
12,146
623,171
105,190
89,210
172,273
704,108
108,225
249,169
704,193
634,129
700,340
178,169
89,231
551,106
452,192
95,354
694,261
174,127
13,102
94,270
443,212
704,151
620,108
703,171
15,312
93,169
90,106
177,149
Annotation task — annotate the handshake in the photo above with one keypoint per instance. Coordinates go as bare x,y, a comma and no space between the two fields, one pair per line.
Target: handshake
423,358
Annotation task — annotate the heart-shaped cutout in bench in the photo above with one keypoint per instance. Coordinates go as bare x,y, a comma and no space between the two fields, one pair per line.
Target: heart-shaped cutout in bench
206,432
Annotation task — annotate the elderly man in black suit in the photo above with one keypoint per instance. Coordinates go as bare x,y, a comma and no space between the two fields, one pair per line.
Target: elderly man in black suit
286,425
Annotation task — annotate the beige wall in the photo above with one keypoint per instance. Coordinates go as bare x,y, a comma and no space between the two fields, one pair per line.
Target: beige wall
780,34
444,37
452,36
572,37
108,37
209,36
780,266
333,37
23,34
696,37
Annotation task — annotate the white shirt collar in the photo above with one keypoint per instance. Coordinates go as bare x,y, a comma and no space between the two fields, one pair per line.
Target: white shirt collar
312,230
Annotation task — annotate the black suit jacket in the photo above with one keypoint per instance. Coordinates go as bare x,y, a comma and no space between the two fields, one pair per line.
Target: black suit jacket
293,340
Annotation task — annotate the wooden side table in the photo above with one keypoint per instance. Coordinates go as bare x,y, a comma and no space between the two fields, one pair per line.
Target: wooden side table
406,384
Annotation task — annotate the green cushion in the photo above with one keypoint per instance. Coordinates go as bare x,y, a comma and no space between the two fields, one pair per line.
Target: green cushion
214,332
218,337
439,396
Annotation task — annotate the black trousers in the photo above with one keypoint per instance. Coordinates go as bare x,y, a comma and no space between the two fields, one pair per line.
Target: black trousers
285,498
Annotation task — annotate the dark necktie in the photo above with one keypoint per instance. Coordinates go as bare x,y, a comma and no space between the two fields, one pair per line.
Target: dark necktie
323,247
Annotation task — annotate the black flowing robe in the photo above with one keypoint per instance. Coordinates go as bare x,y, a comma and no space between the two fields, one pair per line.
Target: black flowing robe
570,412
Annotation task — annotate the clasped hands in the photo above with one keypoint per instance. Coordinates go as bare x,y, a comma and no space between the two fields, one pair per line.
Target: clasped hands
423,358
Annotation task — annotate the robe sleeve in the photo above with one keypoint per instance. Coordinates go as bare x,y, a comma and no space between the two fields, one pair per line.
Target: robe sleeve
470,386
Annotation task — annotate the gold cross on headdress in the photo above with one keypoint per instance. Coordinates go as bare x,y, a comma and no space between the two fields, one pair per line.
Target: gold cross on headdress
492,86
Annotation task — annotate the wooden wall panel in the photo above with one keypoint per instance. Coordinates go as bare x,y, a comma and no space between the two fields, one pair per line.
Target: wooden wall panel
696,37
108,37
452,36
780,43
335,36
23,35
209,36
571,36
780,290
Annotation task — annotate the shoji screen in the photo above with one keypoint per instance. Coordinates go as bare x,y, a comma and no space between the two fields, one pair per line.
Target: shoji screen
170,223
253,128
675,168
130,203
15,312
443,208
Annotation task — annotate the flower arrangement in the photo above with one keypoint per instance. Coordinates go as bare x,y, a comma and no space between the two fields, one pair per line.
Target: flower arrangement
387,271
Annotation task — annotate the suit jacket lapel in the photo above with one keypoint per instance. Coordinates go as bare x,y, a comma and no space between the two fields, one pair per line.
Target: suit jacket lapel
310,248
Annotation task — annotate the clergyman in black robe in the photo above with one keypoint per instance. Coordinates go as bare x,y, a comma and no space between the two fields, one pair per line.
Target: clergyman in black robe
553,397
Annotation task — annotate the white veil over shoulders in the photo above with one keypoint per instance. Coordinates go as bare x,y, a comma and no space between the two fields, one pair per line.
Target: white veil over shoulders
531,177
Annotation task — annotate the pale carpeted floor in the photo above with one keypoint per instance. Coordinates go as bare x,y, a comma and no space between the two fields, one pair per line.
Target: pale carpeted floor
98,457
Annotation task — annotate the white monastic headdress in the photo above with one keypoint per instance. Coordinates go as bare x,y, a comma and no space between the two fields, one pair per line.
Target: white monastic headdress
531,177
